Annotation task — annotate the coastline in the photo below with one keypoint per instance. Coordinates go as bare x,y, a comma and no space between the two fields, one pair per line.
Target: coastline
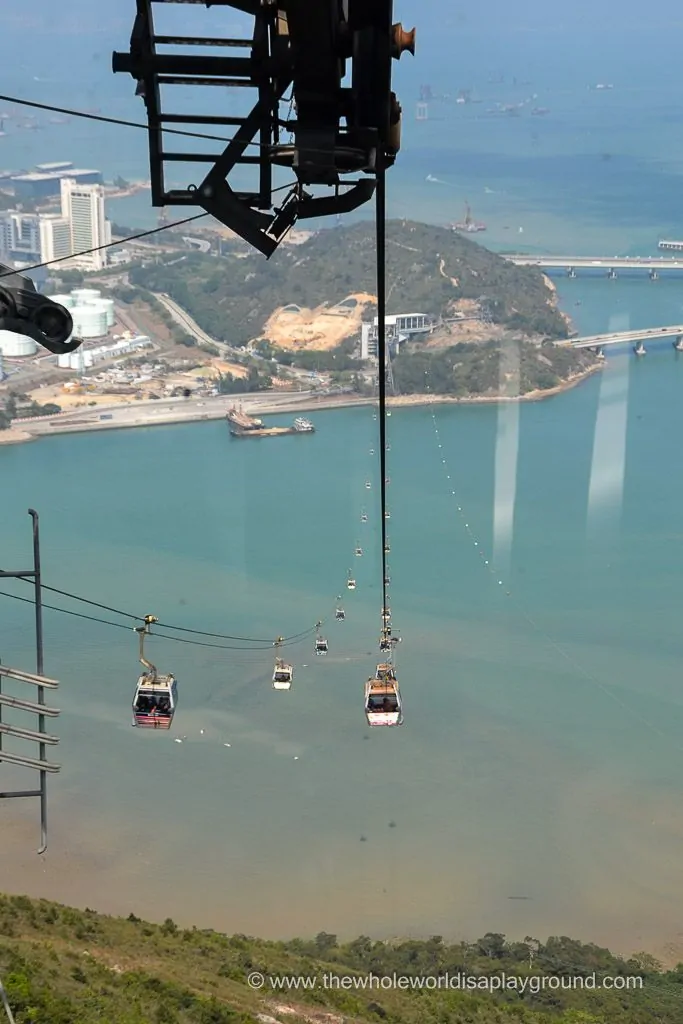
173,412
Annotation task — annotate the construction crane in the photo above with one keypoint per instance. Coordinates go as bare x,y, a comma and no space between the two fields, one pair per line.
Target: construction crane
338,131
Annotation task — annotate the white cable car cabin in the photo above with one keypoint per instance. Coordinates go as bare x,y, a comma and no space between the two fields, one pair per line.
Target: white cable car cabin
350,583
339,612
156,696
282,675
363,517
368,485
383,704
359,551
320,645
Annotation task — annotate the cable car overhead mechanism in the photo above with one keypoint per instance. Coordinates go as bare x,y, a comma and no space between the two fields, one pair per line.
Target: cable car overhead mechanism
302,45
156,696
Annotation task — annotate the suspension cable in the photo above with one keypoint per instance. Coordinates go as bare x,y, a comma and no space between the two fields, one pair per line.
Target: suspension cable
262,646
163,625
380,219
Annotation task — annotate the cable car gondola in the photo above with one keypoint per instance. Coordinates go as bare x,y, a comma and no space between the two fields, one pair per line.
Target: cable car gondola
350,582
282,675
320,645
156,696
383,704
359,551
339,613
368,485
363,517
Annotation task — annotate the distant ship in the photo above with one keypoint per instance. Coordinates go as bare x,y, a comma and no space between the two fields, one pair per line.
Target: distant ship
468,226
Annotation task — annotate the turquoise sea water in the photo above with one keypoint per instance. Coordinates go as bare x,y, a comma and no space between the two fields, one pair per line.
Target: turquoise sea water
541,754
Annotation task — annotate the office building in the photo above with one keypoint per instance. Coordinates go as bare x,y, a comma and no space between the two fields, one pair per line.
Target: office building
55,237
83,207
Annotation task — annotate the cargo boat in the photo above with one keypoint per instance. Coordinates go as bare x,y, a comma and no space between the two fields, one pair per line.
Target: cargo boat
242,425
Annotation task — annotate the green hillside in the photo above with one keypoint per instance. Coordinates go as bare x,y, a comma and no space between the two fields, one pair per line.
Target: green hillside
428,268
64,966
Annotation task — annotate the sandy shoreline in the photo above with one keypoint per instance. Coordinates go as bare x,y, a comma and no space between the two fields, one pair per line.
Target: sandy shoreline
175,411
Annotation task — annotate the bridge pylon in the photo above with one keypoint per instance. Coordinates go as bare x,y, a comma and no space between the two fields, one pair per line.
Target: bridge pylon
639,349
678,343
571,272
612,274
654,276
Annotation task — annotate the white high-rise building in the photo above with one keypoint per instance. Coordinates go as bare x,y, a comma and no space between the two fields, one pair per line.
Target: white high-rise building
55,237
83,207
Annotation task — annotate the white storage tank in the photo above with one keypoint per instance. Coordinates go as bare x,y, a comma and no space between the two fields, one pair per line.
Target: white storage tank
63,300
89,321
84,296
108,306
17,345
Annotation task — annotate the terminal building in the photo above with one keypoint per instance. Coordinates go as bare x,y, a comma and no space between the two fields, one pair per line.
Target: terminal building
43,184
399,328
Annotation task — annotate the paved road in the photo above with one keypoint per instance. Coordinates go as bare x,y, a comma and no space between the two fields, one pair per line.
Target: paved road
174,410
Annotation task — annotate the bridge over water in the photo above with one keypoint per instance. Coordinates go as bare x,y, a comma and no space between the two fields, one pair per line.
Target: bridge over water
609,265
598,341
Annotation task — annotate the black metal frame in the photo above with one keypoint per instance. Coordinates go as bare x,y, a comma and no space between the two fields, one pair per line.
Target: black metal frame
295,43
40,708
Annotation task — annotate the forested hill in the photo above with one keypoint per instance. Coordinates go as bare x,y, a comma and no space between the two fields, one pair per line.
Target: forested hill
63,966
428,268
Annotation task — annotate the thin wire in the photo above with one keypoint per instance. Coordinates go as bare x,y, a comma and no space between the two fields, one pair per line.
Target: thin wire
380,225
145,127
115,120
288,642
107,245
122,241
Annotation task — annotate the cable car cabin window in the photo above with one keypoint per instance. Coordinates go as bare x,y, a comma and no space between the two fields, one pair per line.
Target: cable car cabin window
383,704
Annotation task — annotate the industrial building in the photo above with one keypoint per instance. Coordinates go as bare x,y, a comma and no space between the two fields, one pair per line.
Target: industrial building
399,327
44,184
81,360
92,315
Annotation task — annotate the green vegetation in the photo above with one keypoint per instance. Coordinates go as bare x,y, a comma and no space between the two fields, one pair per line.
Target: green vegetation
228,384
428,268
470,369
64,966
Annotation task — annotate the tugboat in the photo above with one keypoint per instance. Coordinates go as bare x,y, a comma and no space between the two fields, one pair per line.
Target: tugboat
303,426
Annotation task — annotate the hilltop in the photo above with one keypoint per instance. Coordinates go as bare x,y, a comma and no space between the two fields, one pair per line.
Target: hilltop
313,295
64,966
